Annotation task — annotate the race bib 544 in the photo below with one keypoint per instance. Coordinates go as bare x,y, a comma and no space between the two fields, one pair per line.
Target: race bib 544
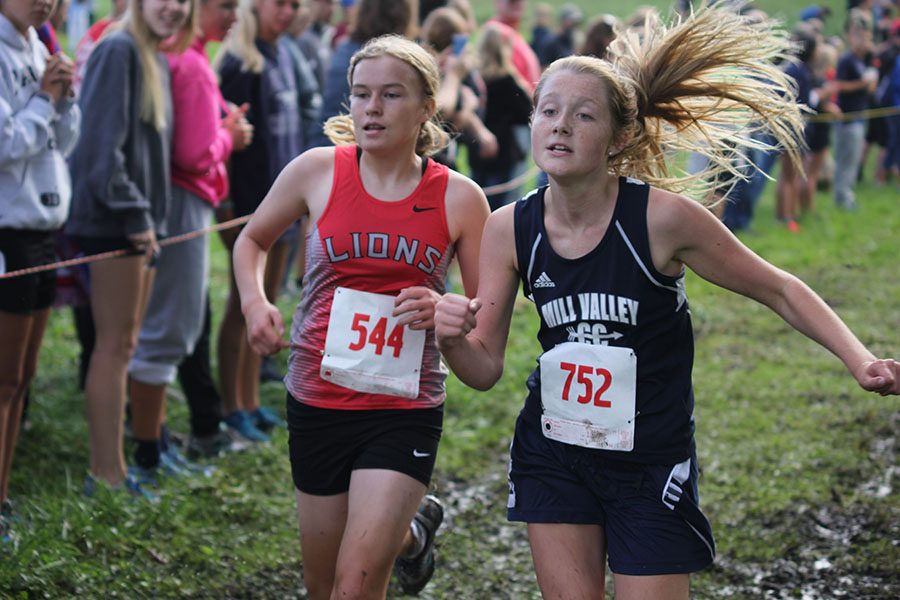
367,350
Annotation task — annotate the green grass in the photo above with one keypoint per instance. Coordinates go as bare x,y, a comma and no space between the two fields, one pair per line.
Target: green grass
797,462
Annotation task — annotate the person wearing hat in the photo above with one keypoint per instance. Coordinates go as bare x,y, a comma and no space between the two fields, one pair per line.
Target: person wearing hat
816,12
814,17
562,44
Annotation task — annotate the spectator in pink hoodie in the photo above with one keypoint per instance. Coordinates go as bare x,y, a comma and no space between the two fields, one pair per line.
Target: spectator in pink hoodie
205,132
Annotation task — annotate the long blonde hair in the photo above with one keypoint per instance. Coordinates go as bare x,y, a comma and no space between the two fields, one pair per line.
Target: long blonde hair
153,96
494,53
705,85
241,40
432,138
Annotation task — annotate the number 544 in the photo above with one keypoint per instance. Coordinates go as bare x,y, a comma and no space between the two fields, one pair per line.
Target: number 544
378,336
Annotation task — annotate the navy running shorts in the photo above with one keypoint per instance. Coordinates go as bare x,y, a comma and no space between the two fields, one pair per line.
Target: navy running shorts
21,249
327,445
650,513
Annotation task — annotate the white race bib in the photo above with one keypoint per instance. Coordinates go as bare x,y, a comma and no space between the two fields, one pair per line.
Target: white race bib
588,392
366,350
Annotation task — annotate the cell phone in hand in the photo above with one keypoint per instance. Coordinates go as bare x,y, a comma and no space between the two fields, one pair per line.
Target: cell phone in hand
459,42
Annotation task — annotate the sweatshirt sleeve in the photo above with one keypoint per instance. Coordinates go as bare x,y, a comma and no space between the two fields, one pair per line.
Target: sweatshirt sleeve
24,132
200,142
68,126
106,108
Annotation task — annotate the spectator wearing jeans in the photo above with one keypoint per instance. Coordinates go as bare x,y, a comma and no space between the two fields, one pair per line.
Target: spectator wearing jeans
854,82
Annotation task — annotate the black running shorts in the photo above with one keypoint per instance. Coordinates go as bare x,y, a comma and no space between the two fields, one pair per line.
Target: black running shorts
327,445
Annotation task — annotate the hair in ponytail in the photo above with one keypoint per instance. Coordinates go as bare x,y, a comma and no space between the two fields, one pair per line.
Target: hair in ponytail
432,138
708,84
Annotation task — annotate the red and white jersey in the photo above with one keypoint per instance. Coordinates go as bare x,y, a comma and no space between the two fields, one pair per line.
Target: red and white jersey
369,245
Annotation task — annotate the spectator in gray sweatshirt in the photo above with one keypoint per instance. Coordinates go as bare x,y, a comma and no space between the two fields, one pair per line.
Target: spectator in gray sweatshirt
121,196
38,127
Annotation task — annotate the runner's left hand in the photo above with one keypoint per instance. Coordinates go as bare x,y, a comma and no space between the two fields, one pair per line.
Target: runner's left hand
882,376
416,304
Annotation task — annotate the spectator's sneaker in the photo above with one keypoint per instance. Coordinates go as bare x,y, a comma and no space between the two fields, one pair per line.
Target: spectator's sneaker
847,203
266,419
7,518
173,462
169,438
138,488
241,422
6,532
414,573
131,484
268,371
147,477
7,509
216,444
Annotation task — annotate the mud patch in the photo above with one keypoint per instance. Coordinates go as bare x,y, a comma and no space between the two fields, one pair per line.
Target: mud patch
821,565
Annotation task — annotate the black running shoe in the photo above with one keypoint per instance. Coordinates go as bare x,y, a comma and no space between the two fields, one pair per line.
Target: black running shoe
415,573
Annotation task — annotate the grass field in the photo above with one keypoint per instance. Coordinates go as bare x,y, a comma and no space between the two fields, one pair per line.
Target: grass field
798,465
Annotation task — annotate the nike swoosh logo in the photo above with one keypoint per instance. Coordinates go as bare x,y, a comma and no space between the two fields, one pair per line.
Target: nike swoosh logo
422,209
418,454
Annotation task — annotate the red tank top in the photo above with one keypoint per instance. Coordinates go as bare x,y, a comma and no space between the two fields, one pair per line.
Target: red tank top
369,245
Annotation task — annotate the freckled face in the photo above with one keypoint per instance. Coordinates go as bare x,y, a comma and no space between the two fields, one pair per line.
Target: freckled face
387,104
571,133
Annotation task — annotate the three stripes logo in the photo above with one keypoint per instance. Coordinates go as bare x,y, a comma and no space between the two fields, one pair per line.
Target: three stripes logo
672,494
543,281
674,488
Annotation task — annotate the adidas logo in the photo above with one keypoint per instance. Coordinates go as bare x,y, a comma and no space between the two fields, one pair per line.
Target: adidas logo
543,281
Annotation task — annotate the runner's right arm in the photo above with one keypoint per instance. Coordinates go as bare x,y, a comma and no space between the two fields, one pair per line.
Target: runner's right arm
306,177
474,345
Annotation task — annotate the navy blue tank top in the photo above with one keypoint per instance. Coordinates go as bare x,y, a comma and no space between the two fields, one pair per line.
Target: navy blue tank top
614,295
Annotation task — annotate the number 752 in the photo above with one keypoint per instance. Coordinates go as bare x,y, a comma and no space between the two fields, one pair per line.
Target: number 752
583,375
